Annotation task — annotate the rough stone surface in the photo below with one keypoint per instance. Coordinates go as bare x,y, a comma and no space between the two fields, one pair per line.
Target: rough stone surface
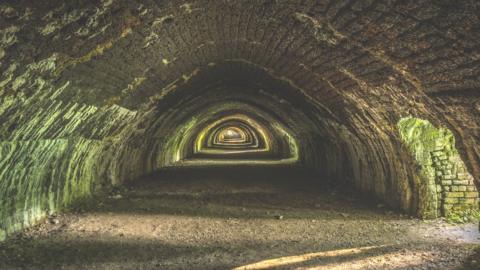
444,179
84,84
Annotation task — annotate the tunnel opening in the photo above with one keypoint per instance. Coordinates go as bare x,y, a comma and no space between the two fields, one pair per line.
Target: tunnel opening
343,147
289,127
259,142
231,135
286,126
242,113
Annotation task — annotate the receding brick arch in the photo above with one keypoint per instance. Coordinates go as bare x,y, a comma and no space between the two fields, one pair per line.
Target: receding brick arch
80,84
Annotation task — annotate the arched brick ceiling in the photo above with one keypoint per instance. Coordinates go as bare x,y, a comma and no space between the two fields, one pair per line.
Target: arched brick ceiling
92,77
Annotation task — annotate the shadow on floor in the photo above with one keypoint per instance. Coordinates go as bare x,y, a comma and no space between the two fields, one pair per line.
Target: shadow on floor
241,192
53,253
472,262
222,218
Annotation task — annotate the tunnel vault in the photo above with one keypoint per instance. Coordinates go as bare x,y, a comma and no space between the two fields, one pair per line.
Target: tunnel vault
96,94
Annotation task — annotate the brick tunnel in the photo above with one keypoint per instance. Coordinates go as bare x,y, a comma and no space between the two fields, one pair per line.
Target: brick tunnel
285,122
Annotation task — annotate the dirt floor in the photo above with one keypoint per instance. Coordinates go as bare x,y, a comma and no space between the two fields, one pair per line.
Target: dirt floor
239,219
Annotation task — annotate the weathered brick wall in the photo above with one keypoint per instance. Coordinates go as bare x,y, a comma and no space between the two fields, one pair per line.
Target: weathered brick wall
447,186
86,69
455,187
462,110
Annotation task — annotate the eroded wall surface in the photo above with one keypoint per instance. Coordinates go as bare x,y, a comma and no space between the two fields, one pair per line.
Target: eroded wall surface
82,84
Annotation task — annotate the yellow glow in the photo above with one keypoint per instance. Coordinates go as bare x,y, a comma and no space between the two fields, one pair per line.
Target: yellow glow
231,134
198,146
277,262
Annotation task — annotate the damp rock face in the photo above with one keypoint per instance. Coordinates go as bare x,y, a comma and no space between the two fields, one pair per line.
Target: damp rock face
444,182
383,96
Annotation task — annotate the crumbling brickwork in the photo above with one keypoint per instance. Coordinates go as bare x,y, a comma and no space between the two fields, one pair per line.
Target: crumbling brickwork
109,70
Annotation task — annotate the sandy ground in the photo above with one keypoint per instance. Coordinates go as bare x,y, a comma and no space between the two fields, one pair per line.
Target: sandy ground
239,219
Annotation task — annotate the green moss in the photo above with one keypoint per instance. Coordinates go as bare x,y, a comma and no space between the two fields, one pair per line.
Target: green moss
43,177
172,150
422,137
464,216
434,151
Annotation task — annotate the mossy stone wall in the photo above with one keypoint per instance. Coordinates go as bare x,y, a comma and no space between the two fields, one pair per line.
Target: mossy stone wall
444,185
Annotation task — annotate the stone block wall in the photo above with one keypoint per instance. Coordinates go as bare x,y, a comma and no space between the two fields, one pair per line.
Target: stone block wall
444,185
455,187
85,73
